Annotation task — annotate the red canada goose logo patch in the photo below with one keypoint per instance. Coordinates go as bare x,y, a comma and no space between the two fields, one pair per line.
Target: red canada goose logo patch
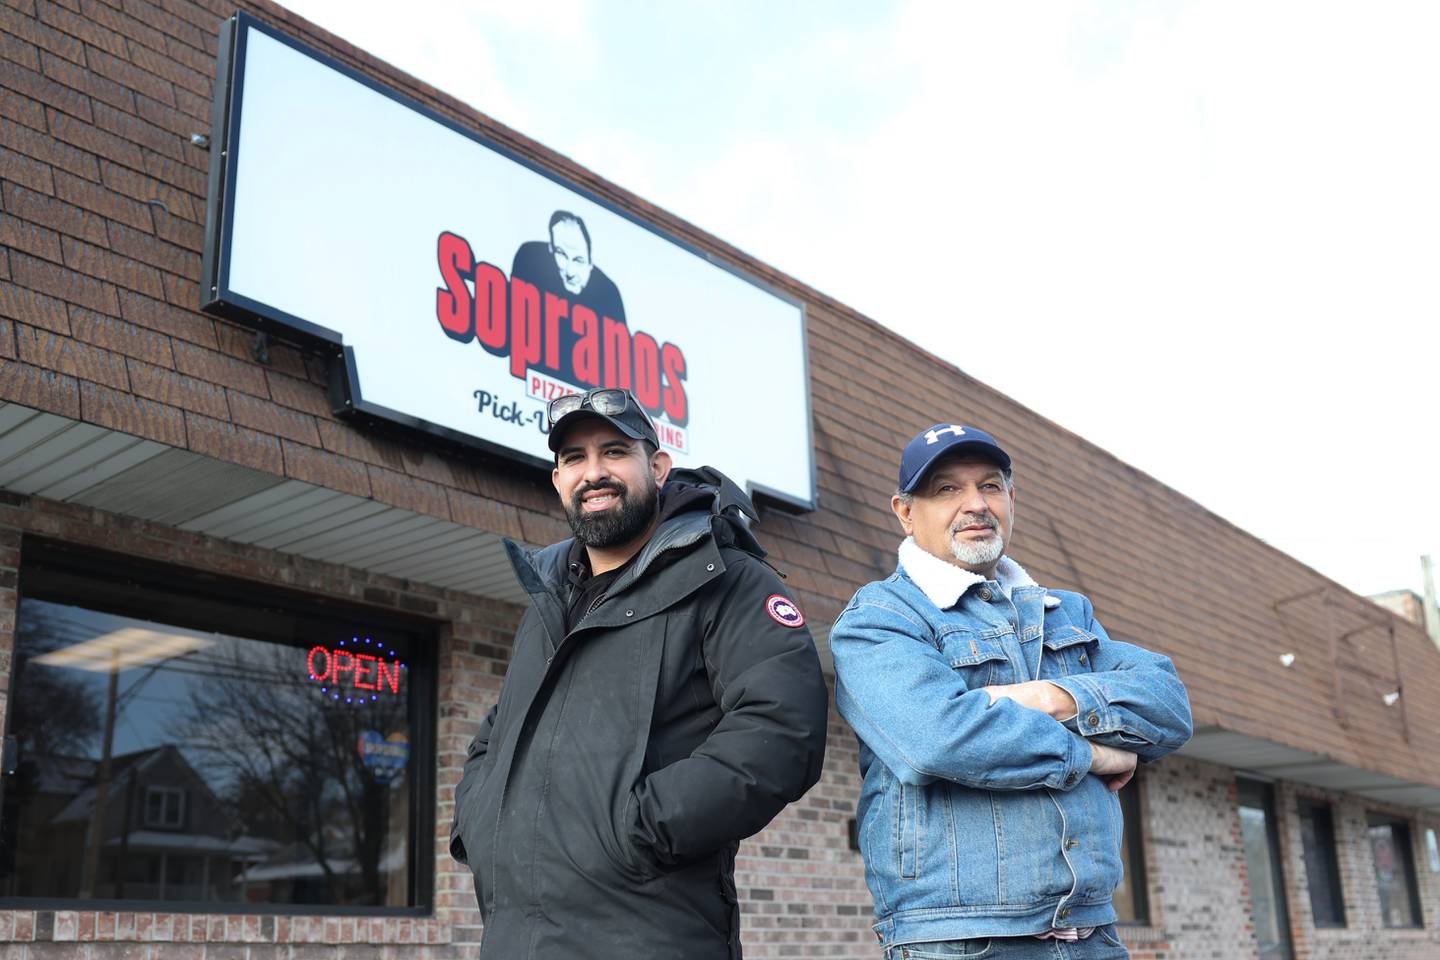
783,611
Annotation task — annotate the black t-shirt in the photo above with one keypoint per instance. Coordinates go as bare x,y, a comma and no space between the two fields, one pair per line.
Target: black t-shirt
586,588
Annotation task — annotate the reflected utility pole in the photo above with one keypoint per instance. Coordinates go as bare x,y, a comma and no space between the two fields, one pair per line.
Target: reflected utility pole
90,875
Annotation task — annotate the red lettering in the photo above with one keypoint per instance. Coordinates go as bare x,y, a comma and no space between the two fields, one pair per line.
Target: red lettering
672,437
310,662
452,301
364,663
677,405
365,671
587,348
556,309
510,318
647,371
341,662
490,307
617,354
524,329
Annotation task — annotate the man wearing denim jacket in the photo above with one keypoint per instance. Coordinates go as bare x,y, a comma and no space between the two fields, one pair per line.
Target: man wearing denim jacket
996,721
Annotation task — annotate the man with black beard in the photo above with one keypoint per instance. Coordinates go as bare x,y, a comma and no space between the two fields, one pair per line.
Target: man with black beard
664,701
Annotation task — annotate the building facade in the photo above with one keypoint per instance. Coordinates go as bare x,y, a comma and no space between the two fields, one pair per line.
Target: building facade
244,640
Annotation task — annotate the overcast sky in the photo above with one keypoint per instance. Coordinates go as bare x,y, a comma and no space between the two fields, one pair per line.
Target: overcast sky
1205,236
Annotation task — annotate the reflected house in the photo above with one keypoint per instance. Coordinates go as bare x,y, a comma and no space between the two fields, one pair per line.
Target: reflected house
164,833
294,875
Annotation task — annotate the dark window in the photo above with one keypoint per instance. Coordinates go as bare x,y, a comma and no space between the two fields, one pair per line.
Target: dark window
1317,840
1131,903
199,741
1262,863
1394,871
164,807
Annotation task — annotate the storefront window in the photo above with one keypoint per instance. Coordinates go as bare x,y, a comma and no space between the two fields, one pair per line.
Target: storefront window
1394,871
1322,872
1262,863
209,745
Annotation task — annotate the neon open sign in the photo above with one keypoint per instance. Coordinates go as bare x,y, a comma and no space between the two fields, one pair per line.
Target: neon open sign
353,674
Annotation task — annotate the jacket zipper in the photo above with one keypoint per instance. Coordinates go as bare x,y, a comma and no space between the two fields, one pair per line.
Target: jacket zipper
589,610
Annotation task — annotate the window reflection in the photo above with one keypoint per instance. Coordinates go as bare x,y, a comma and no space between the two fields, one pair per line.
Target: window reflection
1394,871
162,763
1262,863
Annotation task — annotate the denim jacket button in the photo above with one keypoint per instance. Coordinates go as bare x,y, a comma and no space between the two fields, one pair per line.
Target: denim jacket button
1072,843
1093,720
1070,778
1064,912
985,593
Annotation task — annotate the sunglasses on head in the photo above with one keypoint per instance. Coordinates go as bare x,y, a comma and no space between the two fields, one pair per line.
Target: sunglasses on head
607,401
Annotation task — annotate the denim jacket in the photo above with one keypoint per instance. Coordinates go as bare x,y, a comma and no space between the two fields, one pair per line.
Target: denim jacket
979,819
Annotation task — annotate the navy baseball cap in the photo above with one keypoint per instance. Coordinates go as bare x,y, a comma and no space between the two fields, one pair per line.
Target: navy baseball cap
619,408
943,438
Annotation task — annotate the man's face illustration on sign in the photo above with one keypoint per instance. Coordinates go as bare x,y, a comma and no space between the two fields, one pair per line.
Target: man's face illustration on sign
572,255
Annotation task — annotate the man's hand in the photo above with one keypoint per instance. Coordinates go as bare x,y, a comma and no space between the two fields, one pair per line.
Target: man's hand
1039,695
1113,766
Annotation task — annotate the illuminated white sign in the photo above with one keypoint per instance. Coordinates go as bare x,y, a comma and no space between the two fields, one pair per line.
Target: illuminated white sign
467,287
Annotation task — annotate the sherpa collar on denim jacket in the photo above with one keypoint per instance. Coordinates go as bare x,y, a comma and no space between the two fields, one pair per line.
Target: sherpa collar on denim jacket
945,583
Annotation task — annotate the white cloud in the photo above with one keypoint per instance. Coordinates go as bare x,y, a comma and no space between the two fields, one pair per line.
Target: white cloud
1219,220
469,49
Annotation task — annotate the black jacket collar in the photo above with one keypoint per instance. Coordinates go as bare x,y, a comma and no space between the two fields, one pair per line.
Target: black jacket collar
723,511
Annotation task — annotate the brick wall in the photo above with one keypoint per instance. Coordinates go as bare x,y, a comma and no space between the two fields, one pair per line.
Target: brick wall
1364,936
1199,887
802,889
1195,866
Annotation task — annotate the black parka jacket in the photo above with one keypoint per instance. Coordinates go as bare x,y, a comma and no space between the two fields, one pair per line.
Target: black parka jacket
605,795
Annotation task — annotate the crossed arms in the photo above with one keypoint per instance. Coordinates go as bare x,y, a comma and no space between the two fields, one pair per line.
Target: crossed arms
916,714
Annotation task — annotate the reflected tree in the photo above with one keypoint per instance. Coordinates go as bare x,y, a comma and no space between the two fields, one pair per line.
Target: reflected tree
55,712
291,758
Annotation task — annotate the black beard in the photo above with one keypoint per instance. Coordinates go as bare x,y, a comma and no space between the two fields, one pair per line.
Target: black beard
612,528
